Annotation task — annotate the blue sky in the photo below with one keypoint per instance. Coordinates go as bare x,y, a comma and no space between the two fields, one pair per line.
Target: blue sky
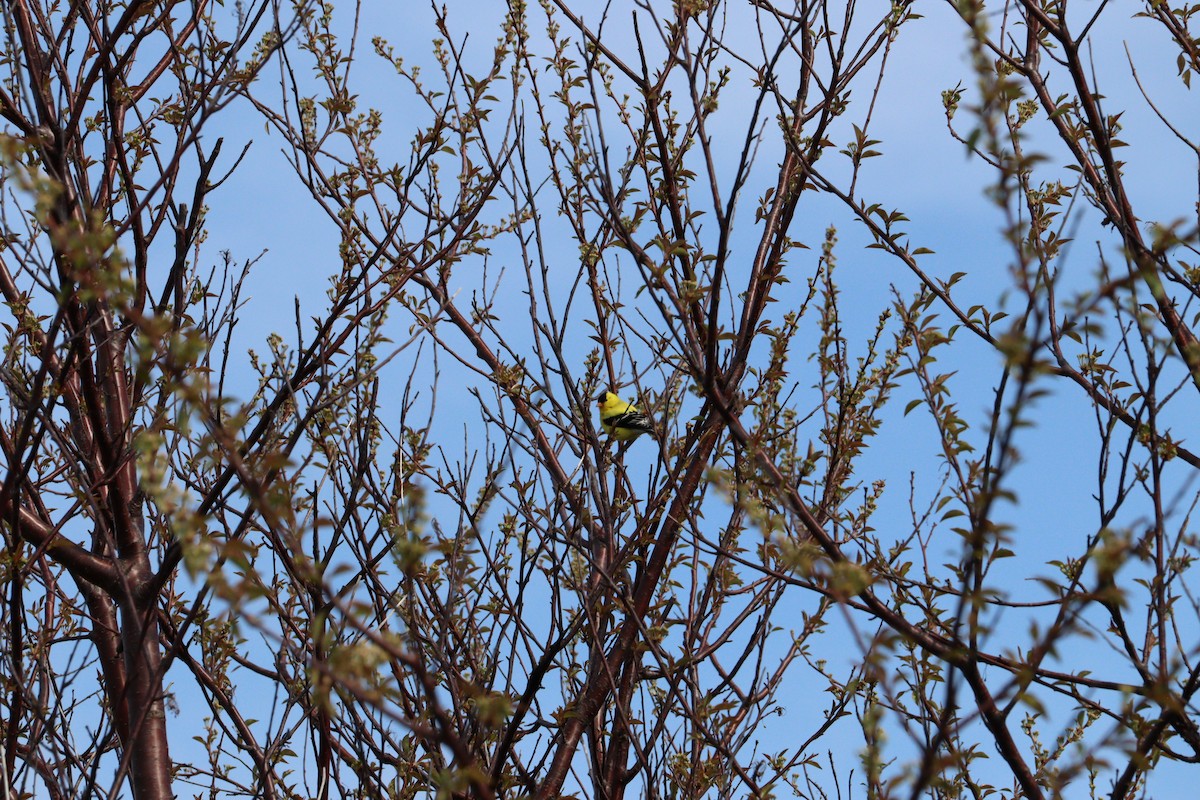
262,209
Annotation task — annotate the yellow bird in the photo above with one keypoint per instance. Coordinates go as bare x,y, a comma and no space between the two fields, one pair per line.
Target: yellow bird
622,420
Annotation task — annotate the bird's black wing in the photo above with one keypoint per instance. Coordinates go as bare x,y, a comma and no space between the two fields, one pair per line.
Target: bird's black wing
631,420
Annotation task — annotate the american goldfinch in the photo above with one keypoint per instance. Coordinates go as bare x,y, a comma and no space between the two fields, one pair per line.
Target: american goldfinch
621,420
